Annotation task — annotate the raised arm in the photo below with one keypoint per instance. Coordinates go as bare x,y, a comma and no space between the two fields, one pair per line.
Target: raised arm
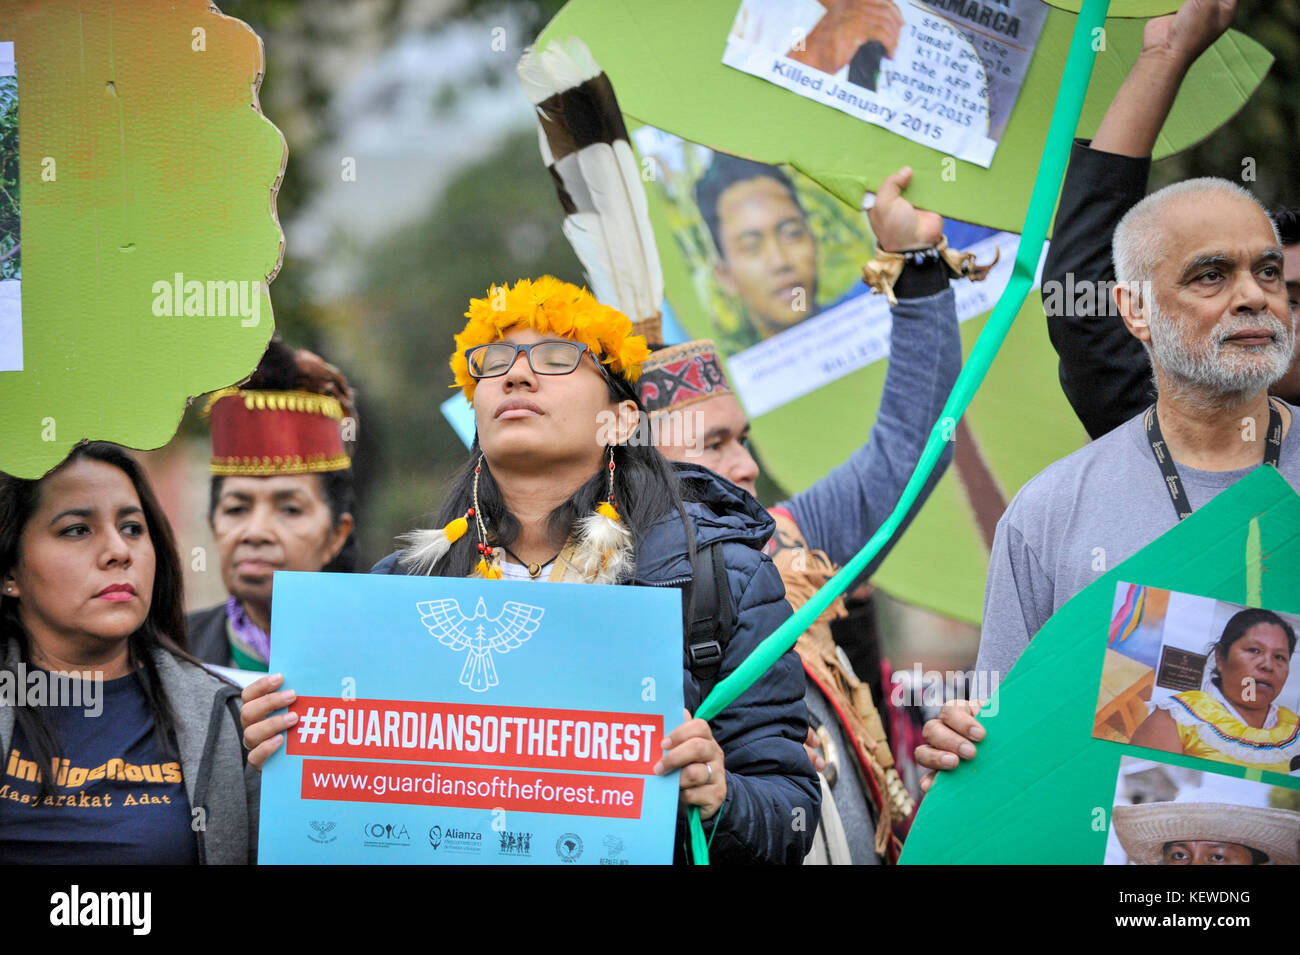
1104,371
841,511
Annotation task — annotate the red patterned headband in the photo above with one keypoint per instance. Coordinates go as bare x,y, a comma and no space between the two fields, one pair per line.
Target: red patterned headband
680,375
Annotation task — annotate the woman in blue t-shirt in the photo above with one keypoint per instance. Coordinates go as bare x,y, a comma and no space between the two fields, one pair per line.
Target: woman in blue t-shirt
107,723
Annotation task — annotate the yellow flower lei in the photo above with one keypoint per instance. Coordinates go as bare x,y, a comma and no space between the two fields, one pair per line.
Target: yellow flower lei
551,307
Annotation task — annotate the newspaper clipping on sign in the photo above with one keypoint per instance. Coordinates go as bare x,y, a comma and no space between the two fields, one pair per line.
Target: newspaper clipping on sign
945,73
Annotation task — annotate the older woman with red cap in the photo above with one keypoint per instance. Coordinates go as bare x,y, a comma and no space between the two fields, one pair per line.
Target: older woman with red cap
282,496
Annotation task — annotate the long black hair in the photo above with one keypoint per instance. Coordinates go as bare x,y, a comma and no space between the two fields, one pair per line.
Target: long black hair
163,628
1236,628
645,486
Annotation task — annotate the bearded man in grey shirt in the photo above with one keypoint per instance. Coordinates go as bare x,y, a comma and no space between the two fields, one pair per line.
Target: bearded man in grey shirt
1199,269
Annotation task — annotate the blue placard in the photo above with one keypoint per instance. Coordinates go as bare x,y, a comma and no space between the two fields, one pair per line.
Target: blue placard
444,720
461,418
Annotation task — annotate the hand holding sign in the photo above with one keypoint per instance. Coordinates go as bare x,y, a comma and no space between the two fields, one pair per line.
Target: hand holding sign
692,749
262,728
950,735
1191,31
899,225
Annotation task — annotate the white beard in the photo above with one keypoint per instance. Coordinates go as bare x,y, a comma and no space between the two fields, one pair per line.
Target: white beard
1209,367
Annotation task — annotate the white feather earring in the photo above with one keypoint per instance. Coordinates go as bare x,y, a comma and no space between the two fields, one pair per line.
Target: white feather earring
424,548
603,551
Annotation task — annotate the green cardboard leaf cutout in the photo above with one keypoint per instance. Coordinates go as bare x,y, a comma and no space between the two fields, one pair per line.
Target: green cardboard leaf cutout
143,157
1032,792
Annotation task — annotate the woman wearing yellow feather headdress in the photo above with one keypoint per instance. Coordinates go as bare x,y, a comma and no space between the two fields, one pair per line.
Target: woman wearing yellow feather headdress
563,484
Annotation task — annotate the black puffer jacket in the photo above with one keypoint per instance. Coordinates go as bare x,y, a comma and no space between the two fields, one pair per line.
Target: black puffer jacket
773,797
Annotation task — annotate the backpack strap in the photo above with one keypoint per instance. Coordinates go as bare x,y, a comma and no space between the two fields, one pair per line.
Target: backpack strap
709,617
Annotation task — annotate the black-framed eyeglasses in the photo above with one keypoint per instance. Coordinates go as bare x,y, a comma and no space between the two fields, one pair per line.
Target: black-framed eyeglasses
544,358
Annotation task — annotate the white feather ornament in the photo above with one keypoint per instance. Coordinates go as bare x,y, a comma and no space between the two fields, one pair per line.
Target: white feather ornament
603,551
425,547
585,144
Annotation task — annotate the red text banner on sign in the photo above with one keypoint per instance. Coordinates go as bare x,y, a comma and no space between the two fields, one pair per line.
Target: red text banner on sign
462,733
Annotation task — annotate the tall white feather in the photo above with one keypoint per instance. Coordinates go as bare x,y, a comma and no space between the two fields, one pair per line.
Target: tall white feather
611,231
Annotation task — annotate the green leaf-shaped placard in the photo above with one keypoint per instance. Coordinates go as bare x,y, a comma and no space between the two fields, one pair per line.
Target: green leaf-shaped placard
1032,792
665,60
143,157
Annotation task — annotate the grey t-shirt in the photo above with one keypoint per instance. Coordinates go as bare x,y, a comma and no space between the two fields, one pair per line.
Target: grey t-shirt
1078,519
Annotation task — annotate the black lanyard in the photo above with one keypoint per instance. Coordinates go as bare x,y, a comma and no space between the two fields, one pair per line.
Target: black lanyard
1174,484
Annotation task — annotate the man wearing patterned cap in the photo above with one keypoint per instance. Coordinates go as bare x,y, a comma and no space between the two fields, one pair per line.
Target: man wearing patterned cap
820,529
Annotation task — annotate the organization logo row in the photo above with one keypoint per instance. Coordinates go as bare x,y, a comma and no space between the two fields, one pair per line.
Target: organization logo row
488,845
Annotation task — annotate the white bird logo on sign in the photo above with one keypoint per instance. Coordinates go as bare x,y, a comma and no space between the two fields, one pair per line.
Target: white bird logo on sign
509,629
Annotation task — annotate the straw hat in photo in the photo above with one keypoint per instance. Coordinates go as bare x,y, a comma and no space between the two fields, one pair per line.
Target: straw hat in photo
1145,829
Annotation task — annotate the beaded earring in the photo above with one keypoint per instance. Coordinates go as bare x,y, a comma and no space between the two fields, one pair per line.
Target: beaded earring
426,547
603,553
488,566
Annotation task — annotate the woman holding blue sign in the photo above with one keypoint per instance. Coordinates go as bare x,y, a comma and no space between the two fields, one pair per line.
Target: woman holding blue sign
561,487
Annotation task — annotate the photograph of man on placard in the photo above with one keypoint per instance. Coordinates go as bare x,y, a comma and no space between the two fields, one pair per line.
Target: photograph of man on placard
766,250
1170,815
776,264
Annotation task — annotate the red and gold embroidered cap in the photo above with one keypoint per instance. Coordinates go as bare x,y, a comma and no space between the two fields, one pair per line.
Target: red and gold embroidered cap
680,375
264,433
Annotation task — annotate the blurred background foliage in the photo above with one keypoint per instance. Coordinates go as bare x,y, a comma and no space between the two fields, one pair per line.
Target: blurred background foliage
448,194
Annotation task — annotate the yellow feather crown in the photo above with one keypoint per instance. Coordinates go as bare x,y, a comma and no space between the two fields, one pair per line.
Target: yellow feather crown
551,307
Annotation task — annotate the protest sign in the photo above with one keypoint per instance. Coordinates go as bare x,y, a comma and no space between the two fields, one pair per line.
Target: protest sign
468,721
796,366
811,405
147,178
1041,786
945,73
705,101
